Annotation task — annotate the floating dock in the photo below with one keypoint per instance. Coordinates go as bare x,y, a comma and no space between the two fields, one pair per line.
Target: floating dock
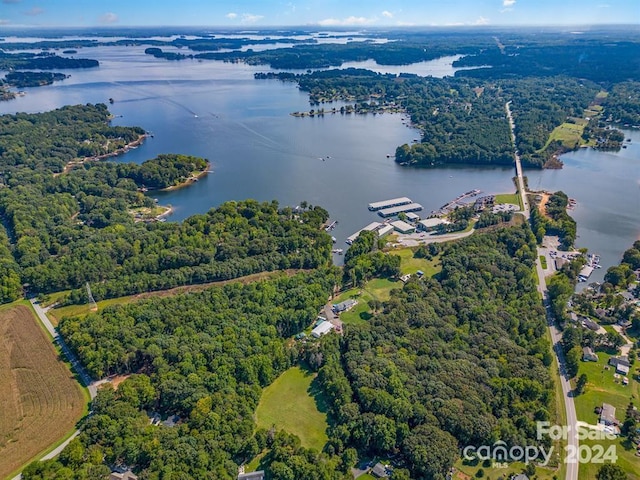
410,207
585,273
394,202
373,226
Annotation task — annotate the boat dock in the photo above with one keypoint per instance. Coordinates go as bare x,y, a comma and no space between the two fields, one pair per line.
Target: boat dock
457,202
394,202
331,226
410,207
373,226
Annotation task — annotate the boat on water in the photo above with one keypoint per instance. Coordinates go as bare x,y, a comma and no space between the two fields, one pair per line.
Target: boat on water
339,251
334,239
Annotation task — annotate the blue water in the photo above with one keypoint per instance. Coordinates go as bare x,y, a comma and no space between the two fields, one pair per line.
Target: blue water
257,150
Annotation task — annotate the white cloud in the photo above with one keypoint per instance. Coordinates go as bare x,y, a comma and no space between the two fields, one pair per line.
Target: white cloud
387,14
331,22
250,18
108,18
231,15
35,11
508,3
4,21
481,21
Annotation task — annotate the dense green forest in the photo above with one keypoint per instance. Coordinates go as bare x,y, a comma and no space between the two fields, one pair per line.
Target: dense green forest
78,227
439,368
463,120
204,357
49,140
41,61
610,62
32,79
623,103
442,366
555,221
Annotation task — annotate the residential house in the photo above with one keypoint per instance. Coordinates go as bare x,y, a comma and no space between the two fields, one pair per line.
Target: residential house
608,415
621,361
344,306
379,470
590,324
588,355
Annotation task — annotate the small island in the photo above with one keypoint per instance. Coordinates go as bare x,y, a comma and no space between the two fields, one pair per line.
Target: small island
33,79
170,171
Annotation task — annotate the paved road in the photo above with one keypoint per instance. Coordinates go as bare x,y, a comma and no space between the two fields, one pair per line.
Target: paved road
556,335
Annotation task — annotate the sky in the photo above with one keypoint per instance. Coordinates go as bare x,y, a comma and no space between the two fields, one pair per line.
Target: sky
323,13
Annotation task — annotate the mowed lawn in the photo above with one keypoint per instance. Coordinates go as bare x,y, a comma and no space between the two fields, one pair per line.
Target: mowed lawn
410,264
603,387
376,289
294,403
40,401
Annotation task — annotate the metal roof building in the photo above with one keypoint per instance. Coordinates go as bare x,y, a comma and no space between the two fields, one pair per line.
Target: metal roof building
409,207
371,227
403,227
322,329
394,202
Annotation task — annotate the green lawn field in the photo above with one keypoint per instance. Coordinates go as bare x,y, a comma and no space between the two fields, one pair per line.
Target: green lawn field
293,403
603,387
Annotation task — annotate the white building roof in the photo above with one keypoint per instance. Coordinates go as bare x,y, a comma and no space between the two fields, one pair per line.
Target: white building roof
402,226
432,222
322,329
389,203
385,230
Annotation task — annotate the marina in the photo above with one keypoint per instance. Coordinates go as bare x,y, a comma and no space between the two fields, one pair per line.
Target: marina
459,201
390,212
394,202
373,226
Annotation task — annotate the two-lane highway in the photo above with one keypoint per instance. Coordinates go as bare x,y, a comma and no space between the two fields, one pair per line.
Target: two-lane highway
556,336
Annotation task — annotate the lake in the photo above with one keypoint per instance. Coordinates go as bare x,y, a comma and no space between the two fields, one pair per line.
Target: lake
218,111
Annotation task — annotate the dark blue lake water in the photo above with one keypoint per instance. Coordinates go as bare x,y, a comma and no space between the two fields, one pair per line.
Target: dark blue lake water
257,150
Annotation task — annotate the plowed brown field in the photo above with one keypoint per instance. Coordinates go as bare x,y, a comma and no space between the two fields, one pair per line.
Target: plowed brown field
39,399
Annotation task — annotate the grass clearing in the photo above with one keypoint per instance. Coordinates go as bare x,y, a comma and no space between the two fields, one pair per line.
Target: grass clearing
294,403
543,261
512,198
569,134
376,289
380,288
410,264
603,387
41,401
